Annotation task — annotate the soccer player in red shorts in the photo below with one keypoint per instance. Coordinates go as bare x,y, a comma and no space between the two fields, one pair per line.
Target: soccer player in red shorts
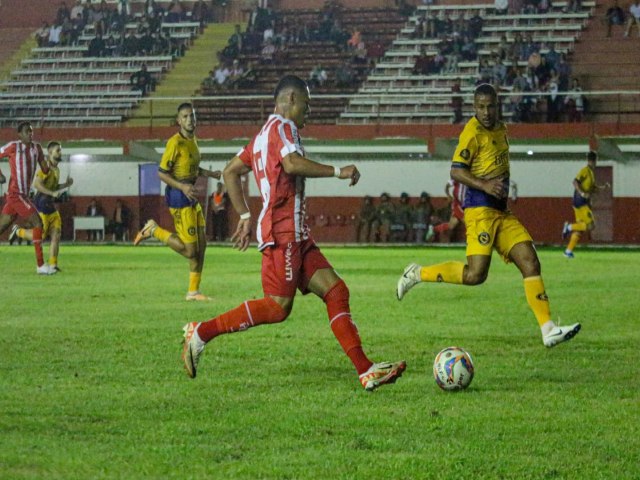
290,258
457,213
23,155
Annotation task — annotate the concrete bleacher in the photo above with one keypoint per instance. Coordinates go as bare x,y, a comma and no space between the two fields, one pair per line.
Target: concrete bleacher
393,74
381,24
71,88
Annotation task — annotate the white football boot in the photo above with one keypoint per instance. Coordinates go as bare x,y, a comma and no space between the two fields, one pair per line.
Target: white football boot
560,334
410,277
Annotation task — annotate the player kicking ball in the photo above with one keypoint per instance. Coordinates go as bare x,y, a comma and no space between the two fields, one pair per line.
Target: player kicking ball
481,162
290,258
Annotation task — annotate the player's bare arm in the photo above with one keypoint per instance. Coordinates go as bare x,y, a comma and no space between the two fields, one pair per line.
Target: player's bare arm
492,186
232,174
578,187
202,172
38,184
186,188
296,164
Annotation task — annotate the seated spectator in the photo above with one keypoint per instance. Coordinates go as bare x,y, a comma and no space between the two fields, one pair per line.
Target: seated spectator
174,12
141,80
574,102
93,210
54,35
422,66
385,212
77,27
634,18
120,221
63,13
221,75
360,53
248,79
317,77
268,52
77,9
42,35
421,219
235,74
130,45
365,220
96,46
614,16
401,219
353,42
345,76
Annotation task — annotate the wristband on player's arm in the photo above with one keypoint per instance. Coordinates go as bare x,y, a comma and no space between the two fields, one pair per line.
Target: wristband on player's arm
336,172
245,216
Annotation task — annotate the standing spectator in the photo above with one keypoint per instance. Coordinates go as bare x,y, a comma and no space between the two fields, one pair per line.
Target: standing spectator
564,72
93,210
54,34
96,46
120,221
219,218
574,102
554,101
422,65
141,80
77,9
501,7
456,102
366,217
634,18
42,35
614,16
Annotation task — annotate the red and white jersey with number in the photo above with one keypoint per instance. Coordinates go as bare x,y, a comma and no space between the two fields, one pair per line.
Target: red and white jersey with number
22,164
459,191
283,209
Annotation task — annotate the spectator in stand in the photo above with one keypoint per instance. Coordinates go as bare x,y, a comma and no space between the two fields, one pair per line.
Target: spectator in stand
422,65
614,16
354,41
200,13
174,12
54,34
142,80
269,33
384,215
421,219
554,100
552,57
574,102
501,7
63,13
77,27
96,46
42,35
401,219
130,45
375,50
634,18
456,102
345,77
317,77
248,78
469,50
574,5
475,25
360,53
93,210
432,26
235,74
77,9
268,52
146,44
221,75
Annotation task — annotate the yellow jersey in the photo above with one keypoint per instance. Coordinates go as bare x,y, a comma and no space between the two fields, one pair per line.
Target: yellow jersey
51,180
587,179
485,153
181,160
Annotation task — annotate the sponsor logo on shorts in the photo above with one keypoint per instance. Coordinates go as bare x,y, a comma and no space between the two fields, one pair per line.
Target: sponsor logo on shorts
192,231
542,297
484,238
288,267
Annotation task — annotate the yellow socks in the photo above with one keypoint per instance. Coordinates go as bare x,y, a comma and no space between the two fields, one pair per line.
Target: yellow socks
20,232
162,234
53,261
537,299
194,281
575,238
447,272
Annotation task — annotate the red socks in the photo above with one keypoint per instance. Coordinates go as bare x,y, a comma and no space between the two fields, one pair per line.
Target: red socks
37,244
337,301
247,315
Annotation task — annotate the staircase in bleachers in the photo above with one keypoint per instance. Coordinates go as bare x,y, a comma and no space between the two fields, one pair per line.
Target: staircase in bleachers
301,58
383,96
63,86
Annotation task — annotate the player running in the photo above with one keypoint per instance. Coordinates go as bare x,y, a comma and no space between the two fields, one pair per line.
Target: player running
584,186
49,189
23,155
481,162
179,169
290,258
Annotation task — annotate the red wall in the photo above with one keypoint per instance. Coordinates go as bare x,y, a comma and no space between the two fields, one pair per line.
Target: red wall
28,13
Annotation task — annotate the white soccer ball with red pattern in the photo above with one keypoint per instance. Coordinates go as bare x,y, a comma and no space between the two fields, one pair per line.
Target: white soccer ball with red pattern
453,369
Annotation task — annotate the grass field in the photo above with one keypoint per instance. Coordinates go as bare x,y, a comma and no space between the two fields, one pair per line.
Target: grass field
91,384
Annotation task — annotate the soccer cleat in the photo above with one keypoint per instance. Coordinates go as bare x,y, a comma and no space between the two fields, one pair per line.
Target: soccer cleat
381,374
56,268
568,254
13,236
146,232
409,278
45,269
197,297
566,230
192,349
560,334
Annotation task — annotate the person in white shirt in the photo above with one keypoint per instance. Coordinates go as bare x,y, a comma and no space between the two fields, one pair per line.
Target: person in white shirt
634,18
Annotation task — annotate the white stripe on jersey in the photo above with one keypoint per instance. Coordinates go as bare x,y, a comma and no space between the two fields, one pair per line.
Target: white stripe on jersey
261,145
21,163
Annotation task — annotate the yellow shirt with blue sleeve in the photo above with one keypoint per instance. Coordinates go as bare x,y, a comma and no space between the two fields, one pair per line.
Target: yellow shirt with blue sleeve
50,180
181,160
587,179
485,153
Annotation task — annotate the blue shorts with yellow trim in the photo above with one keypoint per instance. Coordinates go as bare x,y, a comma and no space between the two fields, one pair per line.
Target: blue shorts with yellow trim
50,221
488,228
186,221
584,215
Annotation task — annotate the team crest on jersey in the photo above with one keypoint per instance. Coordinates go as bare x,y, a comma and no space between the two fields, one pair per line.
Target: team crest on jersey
484,238
465,154
192,231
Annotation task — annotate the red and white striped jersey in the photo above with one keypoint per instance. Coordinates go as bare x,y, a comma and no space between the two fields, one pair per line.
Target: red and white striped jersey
459,191
283,209
22,164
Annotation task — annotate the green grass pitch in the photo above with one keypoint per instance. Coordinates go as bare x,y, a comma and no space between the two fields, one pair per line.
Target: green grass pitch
91,384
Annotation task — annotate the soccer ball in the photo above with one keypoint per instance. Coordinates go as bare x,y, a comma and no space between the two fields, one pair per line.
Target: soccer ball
453,369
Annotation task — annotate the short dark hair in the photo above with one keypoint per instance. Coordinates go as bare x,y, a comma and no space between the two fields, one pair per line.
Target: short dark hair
53,144
184,105
592,156
23,125
485,89
290,81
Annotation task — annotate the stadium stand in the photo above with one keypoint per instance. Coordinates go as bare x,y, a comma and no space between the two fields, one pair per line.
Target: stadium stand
300,47
89,78
400,91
